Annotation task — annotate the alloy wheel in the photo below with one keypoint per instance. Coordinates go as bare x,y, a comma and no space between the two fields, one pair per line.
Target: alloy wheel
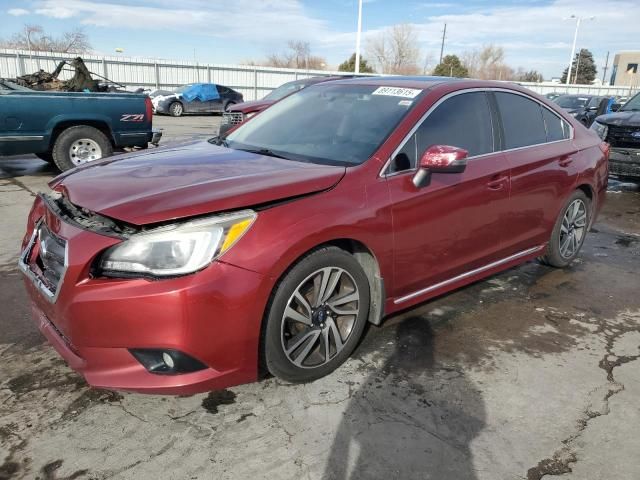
573,228
319,317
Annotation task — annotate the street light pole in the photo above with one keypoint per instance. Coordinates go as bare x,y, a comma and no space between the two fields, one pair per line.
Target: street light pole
573,49
357,69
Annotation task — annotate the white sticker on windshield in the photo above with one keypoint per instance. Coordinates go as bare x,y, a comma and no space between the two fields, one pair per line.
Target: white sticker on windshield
397,92
405,103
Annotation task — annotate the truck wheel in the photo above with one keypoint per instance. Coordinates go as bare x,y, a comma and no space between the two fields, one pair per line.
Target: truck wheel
46,156
78,145
176,109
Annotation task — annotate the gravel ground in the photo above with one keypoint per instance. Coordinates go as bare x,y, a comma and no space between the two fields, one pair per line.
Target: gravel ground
531,373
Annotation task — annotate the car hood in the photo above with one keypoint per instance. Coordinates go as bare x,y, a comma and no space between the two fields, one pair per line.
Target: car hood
253,106
627,119
188,180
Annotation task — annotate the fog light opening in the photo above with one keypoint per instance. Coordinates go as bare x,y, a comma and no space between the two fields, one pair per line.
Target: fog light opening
166,361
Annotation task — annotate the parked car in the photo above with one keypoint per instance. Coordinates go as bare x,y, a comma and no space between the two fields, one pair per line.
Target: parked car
622,131
583,107
196,98
69,129
191,268
236,114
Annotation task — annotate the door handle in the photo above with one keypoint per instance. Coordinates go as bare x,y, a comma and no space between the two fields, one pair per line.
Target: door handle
565,160
497,182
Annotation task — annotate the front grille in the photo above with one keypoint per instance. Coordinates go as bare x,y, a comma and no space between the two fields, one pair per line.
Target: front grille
44,260
623,137
50,258
232,118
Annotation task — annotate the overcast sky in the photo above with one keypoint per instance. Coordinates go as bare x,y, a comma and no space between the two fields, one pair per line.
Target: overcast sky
535,34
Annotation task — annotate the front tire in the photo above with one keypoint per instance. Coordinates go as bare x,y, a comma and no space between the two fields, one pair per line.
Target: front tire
316,316
569,231
78,145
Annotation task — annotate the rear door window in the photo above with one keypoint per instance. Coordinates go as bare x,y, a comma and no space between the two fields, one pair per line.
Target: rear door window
522,120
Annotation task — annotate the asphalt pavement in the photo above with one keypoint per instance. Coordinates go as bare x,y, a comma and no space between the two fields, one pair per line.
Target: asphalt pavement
531,373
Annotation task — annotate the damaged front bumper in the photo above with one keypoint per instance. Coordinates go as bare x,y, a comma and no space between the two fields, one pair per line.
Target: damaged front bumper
95,322
624,162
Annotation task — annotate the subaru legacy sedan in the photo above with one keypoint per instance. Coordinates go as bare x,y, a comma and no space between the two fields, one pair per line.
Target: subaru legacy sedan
203,266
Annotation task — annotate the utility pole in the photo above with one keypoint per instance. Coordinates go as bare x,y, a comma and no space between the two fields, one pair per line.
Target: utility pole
444,34
606,66
357,69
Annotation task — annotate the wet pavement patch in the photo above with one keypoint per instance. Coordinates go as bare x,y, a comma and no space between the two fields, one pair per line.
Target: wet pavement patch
217,398
89,399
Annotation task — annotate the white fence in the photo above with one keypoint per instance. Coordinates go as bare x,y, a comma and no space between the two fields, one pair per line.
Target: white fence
252,81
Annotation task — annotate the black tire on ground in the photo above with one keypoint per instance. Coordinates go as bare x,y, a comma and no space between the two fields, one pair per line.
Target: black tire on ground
274,356
46,156
553,255
62,146
176,109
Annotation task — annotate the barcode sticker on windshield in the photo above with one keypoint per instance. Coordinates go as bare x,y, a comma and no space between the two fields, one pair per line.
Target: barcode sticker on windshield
397,92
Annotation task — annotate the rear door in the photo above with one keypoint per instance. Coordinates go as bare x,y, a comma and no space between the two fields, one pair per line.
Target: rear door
454,224
541,154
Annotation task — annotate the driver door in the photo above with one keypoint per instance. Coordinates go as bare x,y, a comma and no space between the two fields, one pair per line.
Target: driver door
455,223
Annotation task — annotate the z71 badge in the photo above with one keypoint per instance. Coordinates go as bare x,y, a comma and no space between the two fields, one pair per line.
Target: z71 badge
132,117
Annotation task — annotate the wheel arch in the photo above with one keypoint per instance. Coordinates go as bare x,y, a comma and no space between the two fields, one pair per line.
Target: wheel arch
100,125
367,260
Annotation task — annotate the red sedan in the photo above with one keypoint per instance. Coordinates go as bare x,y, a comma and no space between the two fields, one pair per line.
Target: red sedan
193,268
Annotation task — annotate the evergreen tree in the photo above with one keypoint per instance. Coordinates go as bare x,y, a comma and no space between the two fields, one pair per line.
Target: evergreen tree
350,65
583,70
451,66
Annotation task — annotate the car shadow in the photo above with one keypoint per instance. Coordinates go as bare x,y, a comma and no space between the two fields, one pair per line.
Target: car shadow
22,165
410,419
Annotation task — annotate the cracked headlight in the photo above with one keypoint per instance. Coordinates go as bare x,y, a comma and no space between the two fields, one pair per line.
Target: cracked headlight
177,249
600,129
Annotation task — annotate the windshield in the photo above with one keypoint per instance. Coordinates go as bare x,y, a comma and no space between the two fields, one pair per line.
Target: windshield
335,124
632,105
571,102
182,88
284,90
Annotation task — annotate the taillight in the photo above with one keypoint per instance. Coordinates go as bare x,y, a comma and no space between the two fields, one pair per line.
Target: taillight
149,109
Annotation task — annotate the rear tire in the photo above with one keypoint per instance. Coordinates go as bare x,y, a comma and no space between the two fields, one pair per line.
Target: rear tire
327,323
176,109
569,231
93,142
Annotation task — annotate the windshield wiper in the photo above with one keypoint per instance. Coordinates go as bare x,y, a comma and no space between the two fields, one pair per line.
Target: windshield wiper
263,151
220,141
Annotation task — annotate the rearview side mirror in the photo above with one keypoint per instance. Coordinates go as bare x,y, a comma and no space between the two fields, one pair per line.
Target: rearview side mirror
440,159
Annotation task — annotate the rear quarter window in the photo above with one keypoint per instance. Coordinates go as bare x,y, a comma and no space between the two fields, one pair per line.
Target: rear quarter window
557,128
522,120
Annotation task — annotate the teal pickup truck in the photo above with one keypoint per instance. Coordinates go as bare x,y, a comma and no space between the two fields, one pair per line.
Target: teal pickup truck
69,129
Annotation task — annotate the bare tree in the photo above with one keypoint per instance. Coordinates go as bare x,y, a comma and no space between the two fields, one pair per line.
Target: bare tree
297,55
396,50
35,39
488,63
